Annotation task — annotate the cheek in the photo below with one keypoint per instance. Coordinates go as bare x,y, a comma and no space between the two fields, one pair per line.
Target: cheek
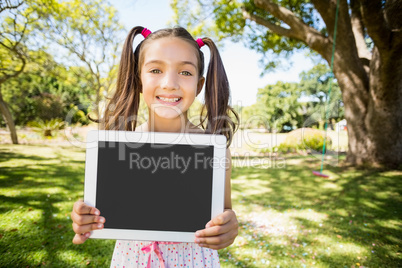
191,87
147,84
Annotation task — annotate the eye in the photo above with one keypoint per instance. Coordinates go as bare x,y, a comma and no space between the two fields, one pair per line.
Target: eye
186,73
155,71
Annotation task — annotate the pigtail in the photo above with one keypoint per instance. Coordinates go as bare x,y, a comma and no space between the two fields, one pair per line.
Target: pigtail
216,110
122,109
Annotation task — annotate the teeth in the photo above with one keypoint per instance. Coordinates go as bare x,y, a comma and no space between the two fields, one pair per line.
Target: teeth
169,100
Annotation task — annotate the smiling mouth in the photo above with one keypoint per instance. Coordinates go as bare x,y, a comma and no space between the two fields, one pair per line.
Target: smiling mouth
172,100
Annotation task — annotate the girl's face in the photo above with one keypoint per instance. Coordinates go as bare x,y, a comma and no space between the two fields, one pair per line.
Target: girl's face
169,77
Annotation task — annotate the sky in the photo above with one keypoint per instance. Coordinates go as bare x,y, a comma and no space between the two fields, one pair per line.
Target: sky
241,64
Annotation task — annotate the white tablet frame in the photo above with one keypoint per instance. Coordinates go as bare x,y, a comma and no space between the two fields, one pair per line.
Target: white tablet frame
91,164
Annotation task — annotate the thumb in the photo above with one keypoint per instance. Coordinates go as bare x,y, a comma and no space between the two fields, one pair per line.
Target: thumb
209,224
218,220
80,238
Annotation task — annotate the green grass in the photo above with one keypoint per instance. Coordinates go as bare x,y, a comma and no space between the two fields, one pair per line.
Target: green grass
38,186
287,216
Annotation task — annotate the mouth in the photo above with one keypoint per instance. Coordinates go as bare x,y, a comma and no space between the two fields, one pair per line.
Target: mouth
170,101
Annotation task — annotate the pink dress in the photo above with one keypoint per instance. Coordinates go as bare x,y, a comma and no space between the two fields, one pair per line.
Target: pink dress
147,254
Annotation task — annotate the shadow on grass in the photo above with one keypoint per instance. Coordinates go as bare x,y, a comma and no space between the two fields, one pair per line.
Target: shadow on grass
37,194
361,209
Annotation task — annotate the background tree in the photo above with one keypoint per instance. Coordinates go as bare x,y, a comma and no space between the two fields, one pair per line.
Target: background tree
9,5
279,104
314,85
46,90
20,23
369,75
91,33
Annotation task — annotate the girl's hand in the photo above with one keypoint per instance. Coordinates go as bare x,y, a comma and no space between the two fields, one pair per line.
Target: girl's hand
85,219
220,232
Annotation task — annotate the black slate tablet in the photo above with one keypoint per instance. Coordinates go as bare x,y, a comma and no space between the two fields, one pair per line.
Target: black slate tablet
154,186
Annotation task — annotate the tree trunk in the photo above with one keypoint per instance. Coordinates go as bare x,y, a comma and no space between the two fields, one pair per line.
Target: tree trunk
371,85
8,119
384,111
374,117
372,95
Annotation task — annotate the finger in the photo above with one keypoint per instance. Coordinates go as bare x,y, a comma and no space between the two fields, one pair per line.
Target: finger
213,231
220,246
218,239
81,208
221,219
209,224
86,219
231,226
215,240
80,229
80,238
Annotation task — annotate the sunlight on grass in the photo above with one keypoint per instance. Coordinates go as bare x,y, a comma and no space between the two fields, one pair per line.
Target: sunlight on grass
287,216
255,187
330,185
308,221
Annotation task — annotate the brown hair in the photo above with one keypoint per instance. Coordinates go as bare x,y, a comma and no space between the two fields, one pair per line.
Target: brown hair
122,109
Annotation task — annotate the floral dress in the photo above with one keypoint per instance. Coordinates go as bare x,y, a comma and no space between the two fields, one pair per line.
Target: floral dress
149,254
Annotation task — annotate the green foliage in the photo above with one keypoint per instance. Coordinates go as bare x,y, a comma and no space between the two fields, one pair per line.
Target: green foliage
46,90
254,117
304,139
318,104
91,34
18,29
285,106
277,108
46,127
32,83
314,85
224,19
79,116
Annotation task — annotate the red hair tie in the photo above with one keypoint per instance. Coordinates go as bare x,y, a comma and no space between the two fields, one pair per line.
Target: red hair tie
145,32
199,42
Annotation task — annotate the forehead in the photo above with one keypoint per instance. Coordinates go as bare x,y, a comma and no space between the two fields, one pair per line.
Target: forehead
169,49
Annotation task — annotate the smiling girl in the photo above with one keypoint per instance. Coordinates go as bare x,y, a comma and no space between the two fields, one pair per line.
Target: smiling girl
167,69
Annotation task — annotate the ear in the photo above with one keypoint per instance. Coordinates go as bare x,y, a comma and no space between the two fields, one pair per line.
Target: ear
200,85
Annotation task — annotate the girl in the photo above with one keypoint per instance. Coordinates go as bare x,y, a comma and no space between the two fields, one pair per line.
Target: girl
167,68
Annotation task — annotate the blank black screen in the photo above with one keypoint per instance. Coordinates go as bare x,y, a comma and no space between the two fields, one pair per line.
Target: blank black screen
135,191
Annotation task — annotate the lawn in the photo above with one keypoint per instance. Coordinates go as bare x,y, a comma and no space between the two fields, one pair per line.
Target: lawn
288,218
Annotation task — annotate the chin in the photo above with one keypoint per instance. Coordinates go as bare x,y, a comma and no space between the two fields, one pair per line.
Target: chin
169,112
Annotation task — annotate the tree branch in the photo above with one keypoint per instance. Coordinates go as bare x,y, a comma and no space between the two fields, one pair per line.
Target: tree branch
281,13
373,18
8,5
273,27
358,30
298,29
16,72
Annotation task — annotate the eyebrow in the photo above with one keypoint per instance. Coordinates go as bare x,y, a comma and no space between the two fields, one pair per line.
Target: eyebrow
180,63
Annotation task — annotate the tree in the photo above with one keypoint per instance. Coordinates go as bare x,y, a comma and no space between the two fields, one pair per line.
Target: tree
19,21
9,5
314,85
45,90
91,33
280,105
367,63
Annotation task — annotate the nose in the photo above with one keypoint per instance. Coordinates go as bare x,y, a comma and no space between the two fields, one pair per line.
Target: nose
170,81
